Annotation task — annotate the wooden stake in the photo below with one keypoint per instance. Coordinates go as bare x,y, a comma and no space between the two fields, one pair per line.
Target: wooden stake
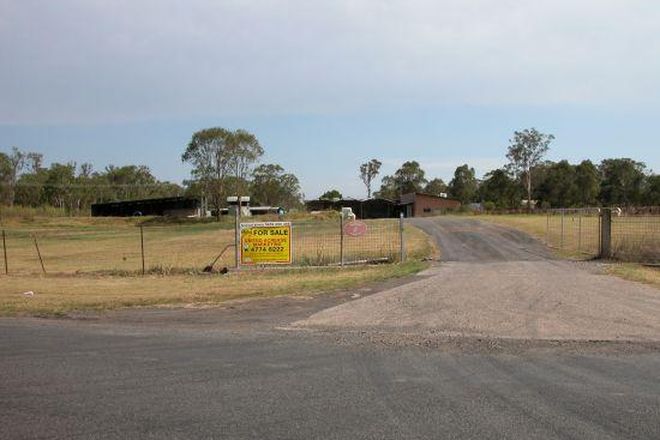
4,248
36,245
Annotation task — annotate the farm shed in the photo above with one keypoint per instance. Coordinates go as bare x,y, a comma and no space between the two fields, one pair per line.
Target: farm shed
370,208
419,204
167,206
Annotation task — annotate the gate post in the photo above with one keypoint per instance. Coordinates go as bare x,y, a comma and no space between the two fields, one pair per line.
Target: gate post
402,250
606,233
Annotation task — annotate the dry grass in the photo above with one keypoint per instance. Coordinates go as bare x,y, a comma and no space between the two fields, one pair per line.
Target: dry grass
636,272
103,245
93,263
62,294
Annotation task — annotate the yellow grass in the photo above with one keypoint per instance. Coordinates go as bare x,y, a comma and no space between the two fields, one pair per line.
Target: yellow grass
62,294
636,272
101,245
94,263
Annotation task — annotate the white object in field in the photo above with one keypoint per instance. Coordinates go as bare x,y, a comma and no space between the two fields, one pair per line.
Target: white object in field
28,293
347,213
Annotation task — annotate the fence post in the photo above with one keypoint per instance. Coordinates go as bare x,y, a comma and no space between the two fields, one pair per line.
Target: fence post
4,250
41,261
561,239
142,247
606,233
341,240
547,228
579,231
402,244
237,236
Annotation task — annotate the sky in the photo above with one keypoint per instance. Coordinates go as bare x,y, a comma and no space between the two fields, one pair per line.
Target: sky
327,85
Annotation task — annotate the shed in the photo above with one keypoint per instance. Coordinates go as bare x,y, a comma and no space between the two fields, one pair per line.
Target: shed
418,204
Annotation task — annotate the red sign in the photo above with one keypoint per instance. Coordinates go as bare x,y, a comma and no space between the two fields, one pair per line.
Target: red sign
355,228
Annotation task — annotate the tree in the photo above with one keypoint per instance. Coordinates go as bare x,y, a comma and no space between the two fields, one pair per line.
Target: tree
58,187
6,196
526,150
623,181
558,189
587,184
463,186
271,186
333,194
409,178
436,187
652,191
500,189
368,172
244,151
210,156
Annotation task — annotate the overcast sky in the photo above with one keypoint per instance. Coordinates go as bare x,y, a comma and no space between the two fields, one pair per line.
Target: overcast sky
328,85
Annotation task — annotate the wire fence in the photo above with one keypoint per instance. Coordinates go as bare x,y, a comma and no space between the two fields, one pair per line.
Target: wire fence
186,248
575,232
636,234
628,234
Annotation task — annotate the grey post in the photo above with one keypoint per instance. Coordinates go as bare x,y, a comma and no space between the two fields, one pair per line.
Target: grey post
606,233
341,240
237,236
547,228
402,244
4,249
142,248
561,240
579,231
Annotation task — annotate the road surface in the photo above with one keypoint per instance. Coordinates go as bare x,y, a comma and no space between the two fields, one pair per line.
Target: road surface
246,371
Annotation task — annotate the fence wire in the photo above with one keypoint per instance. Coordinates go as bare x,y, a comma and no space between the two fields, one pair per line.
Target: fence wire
635,233
575,232
182,248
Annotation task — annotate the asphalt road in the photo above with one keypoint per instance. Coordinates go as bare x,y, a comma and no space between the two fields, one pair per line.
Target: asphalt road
244,372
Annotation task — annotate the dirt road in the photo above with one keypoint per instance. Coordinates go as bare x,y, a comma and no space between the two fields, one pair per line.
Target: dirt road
497,282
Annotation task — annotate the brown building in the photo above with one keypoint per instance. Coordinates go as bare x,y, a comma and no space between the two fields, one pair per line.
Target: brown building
424,205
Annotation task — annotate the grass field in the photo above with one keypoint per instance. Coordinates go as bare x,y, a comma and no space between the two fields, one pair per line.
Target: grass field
95,263
62,294
113,246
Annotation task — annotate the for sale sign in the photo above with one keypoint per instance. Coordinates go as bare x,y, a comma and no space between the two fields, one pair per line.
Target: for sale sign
266,243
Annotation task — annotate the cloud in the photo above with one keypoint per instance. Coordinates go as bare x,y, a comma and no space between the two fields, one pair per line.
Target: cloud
98,61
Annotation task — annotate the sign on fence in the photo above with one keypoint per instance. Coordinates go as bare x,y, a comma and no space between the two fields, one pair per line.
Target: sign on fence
355,228
266,243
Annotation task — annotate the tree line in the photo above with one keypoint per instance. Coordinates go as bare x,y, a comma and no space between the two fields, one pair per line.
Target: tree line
25,181
224,163
526,180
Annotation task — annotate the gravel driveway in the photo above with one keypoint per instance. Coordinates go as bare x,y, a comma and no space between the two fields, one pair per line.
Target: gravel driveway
497,282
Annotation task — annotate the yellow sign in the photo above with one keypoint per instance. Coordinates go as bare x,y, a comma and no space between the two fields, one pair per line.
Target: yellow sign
266,243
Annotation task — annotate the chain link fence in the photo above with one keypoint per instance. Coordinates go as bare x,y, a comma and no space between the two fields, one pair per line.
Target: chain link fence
185,248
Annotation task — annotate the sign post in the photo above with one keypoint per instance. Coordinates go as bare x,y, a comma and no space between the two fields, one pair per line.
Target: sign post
265,243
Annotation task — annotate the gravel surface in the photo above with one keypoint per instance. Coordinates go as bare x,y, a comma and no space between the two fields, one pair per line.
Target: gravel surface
501,283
